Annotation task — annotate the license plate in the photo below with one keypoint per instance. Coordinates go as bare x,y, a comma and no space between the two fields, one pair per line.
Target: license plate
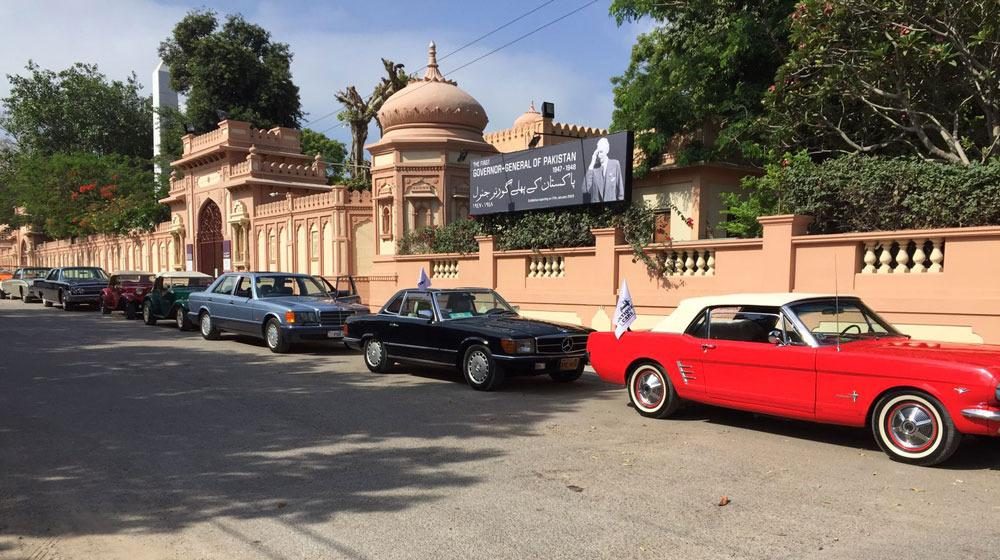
569,363
333,334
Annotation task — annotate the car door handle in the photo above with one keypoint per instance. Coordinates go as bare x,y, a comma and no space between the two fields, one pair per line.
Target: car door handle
393,324
707,347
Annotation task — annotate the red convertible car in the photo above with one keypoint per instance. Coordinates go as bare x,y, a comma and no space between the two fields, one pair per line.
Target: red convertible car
125,292
811,357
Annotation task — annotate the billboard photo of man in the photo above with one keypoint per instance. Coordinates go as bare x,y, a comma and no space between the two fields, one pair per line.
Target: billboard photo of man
604,181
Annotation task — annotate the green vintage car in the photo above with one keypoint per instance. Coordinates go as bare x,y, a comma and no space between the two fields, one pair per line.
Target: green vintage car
169,295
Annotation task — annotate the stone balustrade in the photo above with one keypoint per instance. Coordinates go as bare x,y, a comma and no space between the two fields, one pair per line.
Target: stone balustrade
444,268
271,208
903,256
687,262
546,266
313,201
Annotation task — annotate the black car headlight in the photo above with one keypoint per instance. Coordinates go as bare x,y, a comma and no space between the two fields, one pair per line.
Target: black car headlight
518,345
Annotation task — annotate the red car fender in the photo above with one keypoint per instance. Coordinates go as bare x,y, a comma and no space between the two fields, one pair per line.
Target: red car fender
613,358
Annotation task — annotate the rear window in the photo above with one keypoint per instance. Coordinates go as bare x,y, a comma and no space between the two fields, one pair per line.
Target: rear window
394,305
84,274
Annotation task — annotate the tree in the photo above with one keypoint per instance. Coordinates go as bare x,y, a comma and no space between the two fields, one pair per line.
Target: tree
704,68
77,110
359,111
332,151
892,77
65,195
237,70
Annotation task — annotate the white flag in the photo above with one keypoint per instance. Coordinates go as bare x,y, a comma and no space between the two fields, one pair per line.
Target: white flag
423,282
624,312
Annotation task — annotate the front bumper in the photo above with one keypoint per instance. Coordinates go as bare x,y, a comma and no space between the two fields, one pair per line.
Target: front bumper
536,364
982,414
353,343
93,299
300,333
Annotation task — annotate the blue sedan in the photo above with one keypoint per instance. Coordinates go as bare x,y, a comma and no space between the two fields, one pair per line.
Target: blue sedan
282,308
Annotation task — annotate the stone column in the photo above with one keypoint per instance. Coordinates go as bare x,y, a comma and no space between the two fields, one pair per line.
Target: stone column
778,255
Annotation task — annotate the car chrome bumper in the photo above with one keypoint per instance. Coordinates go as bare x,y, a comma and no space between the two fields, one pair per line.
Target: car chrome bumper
982,414
82,298
312,332
538,363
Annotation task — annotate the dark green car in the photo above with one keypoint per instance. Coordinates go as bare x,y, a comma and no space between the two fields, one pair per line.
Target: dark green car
169,296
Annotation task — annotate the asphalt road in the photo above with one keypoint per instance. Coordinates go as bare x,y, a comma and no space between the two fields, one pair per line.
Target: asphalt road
123,441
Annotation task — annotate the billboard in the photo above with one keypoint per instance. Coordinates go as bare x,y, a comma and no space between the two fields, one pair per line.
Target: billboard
582,171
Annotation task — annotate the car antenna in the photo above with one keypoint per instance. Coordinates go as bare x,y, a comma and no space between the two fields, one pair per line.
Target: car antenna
836,302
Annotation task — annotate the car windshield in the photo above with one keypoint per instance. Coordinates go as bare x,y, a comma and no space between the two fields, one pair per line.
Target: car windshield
136,278
285,286
192,282
465,304
831,321
84,274
34,272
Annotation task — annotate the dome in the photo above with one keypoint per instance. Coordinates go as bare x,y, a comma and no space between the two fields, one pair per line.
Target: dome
530,117
432,100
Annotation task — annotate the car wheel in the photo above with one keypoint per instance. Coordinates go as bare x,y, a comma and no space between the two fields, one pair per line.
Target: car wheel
375,356
480,369
3,294
912,427
147,313
181,317
650,391
208,329
105,310
25,298
276,340
131,310
46,302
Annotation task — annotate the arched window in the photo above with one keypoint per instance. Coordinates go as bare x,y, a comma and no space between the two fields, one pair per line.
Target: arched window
386,220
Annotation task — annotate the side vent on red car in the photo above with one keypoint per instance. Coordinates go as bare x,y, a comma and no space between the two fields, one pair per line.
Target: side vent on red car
686,371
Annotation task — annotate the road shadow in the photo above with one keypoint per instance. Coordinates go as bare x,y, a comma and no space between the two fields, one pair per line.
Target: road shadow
112,427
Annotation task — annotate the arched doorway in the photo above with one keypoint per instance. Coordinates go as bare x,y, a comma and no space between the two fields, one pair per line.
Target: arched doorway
210,239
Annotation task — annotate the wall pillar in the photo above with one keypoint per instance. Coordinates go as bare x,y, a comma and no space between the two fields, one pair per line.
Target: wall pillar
488,266
605,241
778,256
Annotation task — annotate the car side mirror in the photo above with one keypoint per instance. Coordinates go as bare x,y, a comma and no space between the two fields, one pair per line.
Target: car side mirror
776,337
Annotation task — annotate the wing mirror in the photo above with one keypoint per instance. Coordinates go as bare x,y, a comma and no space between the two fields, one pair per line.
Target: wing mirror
776,337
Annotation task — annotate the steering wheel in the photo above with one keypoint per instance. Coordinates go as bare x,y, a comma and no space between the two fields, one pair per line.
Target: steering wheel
848,327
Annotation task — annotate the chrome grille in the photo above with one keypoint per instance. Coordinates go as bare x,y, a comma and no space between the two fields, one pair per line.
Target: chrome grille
554,344
334,317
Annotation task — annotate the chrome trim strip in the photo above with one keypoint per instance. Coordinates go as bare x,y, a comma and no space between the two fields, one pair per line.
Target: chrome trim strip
981,414
408,359
419,347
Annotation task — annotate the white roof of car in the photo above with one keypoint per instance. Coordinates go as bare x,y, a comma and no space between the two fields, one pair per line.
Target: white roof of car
132,273
689,308
182,274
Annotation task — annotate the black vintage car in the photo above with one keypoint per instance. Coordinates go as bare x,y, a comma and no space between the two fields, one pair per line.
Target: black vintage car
473,329
71,286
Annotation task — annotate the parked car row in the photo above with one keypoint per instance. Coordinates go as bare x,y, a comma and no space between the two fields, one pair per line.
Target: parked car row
819,358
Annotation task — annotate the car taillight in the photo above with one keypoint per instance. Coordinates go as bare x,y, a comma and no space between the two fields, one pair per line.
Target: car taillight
343,329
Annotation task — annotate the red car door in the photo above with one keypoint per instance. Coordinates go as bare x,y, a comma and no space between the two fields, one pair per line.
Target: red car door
745,370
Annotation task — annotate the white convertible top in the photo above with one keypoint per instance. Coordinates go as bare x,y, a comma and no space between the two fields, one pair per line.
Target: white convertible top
689,308
182,274
131,273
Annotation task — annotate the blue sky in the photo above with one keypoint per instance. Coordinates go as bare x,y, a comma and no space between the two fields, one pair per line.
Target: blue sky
340,43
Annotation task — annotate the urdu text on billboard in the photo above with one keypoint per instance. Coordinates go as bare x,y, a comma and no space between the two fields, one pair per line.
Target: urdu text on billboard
585,171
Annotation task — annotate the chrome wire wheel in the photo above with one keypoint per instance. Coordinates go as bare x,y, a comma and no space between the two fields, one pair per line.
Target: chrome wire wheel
147,313
206,325
273,338
373,353
179,317
478,366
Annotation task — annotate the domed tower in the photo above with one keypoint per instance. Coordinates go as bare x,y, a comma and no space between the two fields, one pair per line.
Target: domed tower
420,166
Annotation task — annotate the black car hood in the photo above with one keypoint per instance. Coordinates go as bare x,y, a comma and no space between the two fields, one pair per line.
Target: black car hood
515,325
87,283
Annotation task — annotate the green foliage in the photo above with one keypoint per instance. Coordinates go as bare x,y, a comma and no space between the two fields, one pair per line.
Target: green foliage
332,151
456,237
705,67
235,68
891,77
864,193
545,229
67,195
77,110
